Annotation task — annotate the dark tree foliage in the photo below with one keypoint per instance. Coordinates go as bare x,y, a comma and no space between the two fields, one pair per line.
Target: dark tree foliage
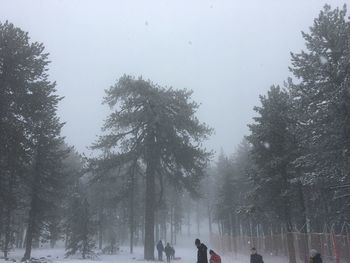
22,67
273,149
233,187
46,180
81,227
45,177
322,98
157,126
32,148
226,200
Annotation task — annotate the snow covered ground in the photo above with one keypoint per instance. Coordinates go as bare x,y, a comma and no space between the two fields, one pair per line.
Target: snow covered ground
188,255
185,249
57,256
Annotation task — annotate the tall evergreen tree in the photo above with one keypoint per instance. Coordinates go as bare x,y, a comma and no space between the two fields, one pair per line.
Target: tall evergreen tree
323,100
45,180
29,129
226,200
46,177
20,68
273,149
157,126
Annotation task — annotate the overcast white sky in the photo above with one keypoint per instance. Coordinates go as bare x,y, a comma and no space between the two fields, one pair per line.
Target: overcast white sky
228,52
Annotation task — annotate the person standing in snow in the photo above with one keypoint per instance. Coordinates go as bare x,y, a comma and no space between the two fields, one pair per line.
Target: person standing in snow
168,250
160,249
202,252
214,258
255,257
315,257
172,255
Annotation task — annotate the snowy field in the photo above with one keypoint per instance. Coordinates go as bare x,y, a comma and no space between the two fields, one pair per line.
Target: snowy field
187,255
185,250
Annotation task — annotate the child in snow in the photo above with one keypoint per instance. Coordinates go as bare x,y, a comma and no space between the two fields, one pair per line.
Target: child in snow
214,258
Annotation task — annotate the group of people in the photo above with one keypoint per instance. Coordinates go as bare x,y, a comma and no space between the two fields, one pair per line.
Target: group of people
215,258
168,250
315,257
202,256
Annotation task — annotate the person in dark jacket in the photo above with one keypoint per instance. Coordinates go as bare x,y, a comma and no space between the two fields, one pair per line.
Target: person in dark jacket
315,257
255,257
168,251
172,255
202,252
160,249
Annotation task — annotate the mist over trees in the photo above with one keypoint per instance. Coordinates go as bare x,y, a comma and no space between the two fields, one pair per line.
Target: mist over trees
151,174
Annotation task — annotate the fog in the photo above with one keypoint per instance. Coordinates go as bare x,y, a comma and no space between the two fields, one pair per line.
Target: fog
281,194
227,52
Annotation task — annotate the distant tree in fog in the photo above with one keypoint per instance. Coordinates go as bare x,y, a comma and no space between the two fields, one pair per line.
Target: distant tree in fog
81,226
157,126
274,150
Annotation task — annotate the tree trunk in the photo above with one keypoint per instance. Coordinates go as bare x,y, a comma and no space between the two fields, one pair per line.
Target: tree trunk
30,231
290,240
210,223
165,228
7,231
32,212
188,223
52,243
304,230
100,230
198,220
172,225
10,202
150,210
233,234
84,252
19,238
132,223
157,226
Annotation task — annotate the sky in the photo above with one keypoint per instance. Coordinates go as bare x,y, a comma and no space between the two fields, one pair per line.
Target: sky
227,52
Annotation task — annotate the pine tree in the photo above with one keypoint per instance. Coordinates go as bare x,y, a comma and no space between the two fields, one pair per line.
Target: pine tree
46,179
27,101
323,101
234,209
158,127
274,150
226,200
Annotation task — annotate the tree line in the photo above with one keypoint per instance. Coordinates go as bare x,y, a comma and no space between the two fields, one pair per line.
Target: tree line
292,169
150,151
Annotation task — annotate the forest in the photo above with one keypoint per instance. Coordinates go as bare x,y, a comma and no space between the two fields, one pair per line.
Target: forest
284,189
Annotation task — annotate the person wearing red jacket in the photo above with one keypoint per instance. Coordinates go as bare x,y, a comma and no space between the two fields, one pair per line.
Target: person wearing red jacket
214,258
